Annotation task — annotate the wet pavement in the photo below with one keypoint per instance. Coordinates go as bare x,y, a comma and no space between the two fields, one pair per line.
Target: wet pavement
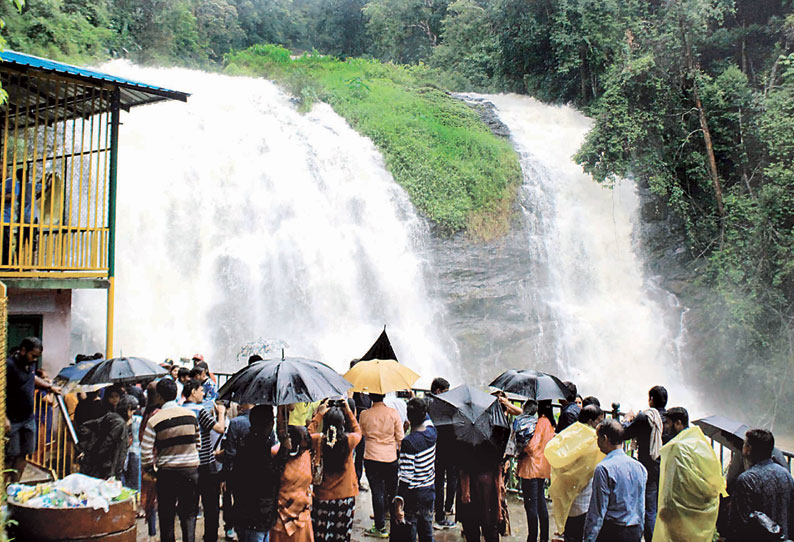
362,522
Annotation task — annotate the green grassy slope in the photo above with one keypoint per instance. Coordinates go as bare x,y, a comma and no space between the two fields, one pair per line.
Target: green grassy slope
455,170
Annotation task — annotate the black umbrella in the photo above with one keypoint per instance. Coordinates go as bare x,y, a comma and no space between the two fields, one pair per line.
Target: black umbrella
122,370
724,430
283,382
531,384
381,349
472,414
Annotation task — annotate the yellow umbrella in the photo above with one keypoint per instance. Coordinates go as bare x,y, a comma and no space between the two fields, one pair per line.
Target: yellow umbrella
380,376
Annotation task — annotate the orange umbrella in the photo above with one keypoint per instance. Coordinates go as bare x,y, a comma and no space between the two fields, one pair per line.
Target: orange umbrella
380,376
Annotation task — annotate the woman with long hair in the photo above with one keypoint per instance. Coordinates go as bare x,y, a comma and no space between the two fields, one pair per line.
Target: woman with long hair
335,435
294,521
534,470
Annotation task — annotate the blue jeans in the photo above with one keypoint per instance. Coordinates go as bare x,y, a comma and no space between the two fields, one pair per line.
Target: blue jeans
535,507
419,514
249,535
383,485
151,524
651,501
131,477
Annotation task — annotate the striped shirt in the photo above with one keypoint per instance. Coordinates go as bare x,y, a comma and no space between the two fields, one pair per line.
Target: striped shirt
171,439
206,421
418,459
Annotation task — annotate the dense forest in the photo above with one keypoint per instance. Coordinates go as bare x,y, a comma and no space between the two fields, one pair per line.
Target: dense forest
691,98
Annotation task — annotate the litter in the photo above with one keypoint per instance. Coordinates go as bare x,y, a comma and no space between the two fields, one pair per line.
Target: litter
74,491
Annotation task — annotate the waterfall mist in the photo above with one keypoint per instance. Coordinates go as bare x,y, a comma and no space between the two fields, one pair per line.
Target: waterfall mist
239,217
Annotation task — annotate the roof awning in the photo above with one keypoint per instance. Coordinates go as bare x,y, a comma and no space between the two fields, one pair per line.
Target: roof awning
39,91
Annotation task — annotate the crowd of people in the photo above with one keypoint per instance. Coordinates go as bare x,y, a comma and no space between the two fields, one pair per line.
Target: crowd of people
298,477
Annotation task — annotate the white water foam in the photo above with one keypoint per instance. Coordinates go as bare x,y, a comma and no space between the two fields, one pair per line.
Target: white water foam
239,217
607,326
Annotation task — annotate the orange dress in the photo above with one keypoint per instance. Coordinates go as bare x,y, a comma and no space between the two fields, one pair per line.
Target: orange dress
294,521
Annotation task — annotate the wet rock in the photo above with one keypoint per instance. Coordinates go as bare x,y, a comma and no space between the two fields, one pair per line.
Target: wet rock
653,211
487,113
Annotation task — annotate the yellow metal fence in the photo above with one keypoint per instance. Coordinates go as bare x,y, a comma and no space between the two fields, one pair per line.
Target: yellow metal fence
55,444
55,165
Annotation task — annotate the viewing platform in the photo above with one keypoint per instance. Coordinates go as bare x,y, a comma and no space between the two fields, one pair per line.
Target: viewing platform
59,132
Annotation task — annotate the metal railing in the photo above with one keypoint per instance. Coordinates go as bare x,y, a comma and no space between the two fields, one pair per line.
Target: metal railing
723,453
55,435
54,195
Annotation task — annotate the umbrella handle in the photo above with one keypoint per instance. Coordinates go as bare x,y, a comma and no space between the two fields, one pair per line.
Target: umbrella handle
282,420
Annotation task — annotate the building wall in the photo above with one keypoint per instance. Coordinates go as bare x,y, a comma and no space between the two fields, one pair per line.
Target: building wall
55,308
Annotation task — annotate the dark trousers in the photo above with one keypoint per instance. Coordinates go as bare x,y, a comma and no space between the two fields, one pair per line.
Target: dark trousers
177,491
471,532
383,485
612,532
445,472
419,514
359,459
535,507
574,528
209,483
228,509
651,501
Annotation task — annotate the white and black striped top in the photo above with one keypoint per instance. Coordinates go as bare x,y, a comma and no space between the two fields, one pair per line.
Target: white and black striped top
418,459
206,421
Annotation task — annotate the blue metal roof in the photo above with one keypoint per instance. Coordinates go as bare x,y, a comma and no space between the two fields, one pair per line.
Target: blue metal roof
133,92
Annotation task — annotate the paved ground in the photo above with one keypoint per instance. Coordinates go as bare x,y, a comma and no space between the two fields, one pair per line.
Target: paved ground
362,522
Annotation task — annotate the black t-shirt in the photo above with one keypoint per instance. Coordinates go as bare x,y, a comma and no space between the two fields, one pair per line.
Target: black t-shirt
363,402
20,383
640,428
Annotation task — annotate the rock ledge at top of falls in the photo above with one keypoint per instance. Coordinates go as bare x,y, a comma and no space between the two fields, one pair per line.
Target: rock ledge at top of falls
487,112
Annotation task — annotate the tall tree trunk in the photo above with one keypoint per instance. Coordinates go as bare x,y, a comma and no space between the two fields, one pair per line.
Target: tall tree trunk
693,70
704,125
773,73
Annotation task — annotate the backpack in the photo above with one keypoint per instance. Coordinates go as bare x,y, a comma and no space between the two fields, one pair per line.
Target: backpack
524,428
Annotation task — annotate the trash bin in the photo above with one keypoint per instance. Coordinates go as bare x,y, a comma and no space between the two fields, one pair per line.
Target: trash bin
74,524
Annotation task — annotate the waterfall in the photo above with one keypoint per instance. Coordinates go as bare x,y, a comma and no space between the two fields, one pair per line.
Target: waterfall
239,218
565,292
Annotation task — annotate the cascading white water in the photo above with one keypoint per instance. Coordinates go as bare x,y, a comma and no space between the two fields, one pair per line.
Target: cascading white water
598,319
239,217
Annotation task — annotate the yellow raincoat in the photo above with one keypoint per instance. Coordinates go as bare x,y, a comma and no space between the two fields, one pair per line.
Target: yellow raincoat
573,456
690,483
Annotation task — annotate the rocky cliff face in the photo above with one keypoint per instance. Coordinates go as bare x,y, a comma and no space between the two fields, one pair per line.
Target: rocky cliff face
663,241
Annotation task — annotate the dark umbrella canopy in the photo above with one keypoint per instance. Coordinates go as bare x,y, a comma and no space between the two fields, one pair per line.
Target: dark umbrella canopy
284,382
531,384
381,349
472,414
724,430
75,372
70,376
122,370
